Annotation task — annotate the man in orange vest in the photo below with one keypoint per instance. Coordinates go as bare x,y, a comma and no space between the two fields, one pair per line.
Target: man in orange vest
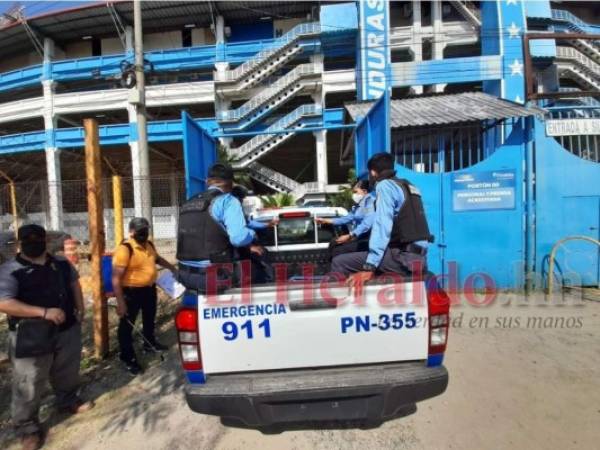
133,278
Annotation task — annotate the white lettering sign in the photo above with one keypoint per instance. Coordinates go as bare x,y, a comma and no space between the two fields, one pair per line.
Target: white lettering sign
374,51
572,127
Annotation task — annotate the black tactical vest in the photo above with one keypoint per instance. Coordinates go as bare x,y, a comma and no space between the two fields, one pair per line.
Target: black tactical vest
46,286
199,236
410,224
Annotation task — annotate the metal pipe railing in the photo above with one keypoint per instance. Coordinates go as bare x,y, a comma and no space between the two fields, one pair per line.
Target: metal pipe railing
575,55
302,29
553,255
281,84
274,176
281,124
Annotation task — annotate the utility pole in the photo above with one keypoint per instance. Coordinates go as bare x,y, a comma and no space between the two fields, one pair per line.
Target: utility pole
141,179
93,171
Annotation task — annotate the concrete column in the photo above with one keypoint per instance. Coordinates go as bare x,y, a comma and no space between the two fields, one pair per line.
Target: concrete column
55,204
54,188
129,39
439,40
138,182
321,150
320,136
221,66
417,39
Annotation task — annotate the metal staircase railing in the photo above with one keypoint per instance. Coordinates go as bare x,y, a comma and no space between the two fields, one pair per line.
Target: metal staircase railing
582,78
574,23
264,99
589,50
263,143
587,101
275,49
311,187
271,178
287,86
585,63
469,11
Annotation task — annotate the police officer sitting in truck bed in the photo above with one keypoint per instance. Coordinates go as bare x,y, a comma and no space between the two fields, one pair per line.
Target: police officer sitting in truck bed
399,234
211,226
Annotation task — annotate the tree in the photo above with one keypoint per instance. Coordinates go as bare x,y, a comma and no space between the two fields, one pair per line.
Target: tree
239,176
279,200
344,197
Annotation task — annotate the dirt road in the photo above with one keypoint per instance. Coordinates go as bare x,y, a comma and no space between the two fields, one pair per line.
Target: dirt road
534,385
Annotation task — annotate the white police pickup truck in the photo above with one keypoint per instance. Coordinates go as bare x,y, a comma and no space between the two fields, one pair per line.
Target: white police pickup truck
307,348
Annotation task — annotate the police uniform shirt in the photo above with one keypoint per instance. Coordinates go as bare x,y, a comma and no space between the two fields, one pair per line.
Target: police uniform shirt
390,198
361,216
39,285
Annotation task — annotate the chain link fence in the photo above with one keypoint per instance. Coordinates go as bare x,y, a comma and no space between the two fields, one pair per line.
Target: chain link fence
35,204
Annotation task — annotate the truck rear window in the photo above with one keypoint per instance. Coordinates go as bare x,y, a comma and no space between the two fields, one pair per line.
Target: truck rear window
294,231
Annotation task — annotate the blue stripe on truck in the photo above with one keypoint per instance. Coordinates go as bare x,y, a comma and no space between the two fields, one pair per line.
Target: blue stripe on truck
435,360
190,300
196,377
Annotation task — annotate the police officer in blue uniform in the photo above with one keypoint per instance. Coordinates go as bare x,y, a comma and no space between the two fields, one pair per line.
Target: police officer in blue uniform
399,234
360,217
212,226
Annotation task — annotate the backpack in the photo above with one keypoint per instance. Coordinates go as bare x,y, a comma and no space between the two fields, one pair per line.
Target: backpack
130,248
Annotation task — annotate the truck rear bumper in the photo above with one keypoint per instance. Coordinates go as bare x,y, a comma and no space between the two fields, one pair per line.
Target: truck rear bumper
372,392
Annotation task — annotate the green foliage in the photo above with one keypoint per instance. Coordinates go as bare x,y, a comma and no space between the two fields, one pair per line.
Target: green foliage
344,197
239,176
279,200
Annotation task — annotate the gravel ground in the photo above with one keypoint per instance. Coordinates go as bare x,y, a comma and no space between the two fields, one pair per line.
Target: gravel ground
520,377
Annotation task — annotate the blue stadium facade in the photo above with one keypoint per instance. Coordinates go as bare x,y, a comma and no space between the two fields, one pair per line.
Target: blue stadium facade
299,92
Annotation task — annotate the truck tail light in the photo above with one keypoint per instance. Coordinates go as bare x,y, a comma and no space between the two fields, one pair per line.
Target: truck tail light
294,215
186,323
439,320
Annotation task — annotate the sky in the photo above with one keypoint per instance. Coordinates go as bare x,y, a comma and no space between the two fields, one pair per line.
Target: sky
41,7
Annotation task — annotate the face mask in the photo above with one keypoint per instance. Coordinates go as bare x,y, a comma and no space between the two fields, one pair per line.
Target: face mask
356,198
141,236
33,249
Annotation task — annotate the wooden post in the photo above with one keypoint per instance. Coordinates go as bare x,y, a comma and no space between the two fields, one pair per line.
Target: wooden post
13,201
13,206
118,208
93,170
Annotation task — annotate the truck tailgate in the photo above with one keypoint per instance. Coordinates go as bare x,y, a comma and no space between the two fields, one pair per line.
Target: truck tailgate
264,334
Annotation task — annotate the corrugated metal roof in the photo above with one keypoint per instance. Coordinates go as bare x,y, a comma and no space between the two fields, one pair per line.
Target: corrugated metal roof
72,24
445,109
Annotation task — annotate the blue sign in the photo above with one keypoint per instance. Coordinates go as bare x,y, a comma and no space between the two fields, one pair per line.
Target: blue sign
374,50
480,191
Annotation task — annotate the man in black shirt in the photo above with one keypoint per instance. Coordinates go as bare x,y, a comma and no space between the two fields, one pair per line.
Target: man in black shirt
36,285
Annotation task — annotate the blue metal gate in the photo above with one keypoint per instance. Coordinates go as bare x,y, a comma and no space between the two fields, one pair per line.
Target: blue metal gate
372,133
567,204
199,153
475,208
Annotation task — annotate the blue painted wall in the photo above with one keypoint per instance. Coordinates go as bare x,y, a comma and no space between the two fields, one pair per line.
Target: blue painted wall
540,9
262,29
338,17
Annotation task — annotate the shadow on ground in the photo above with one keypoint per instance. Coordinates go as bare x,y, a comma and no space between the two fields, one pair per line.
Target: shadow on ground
107,378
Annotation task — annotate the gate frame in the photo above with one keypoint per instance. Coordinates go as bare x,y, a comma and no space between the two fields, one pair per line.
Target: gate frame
529,93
